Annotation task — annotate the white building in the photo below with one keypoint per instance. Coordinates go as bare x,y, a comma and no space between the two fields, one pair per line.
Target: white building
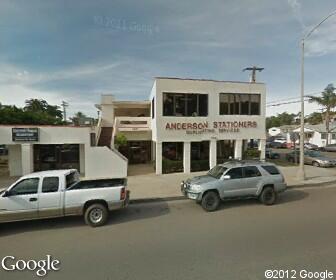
314,134
188,124
34,148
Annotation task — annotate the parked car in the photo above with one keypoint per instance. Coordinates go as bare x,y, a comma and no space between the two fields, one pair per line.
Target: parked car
314,158
329,148
235,179
60,193
310,146
281,140
276,145
269,153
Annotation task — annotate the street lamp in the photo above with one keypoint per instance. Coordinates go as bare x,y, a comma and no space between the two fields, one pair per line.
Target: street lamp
301,172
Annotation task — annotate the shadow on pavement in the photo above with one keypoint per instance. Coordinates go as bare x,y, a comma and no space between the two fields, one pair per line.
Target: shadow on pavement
291,196
132,213
283,198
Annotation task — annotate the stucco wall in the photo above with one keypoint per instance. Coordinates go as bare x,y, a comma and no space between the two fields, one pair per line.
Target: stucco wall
101,162
161,134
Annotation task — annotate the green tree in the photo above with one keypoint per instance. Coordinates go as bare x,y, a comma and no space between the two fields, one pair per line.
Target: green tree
120,140
77,117
35,112
314,118
328,102
280,119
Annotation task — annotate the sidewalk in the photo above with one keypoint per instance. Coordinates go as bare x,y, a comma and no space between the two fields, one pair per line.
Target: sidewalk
151,186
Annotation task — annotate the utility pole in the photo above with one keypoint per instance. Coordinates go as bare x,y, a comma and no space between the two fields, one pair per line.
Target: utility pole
64,106
254,70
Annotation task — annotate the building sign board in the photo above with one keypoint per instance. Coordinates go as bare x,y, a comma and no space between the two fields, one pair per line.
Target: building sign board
25,134
206,127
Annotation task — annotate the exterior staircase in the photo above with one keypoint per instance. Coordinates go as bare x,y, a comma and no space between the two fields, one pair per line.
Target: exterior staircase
105,137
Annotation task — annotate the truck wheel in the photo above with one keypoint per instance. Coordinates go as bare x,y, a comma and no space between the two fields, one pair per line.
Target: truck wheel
267,196
210,201
96,215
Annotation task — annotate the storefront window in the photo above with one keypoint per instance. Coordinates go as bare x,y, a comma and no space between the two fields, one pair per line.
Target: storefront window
182,104
199,156
51,157
172,157
255,104
225,150
239,104
224,104
244,104
168,104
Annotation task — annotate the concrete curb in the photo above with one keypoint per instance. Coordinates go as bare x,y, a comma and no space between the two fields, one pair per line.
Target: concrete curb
157,199
176,198
323,184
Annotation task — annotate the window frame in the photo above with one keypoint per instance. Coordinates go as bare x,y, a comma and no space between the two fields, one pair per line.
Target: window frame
25,179
53,191
175,95
239,167
251,166
234,103
264,167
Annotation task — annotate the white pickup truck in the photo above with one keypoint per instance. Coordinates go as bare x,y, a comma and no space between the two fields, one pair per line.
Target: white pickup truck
60,193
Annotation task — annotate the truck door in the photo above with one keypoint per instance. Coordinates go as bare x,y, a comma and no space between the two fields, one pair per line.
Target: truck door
50,202
21,201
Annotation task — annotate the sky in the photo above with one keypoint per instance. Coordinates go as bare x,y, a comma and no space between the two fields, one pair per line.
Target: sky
77,50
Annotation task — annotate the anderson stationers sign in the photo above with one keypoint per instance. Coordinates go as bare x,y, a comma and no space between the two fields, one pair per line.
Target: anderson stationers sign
206,127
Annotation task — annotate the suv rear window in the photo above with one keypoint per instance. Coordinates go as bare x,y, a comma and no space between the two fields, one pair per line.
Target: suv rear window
271,169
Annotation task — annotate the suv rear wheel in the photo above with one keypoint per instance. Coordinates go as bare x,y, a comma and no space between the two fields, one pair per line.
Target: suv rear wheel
210,201
268,196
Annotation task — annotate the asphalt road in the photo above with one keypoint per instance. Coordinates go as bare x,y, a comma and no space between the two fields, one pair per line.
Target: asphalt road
178,240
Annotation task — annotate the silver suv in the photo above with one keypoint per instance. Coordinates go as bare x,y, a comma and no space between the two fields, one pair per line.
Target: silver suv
235,179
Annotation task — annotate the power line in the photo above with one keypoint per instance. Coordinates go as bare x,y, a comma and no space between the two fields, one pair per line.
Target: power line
291,98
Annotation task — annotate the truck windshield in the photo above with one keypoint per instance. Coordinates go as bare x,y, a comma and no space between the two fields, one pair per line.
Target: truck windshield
71,179
217,171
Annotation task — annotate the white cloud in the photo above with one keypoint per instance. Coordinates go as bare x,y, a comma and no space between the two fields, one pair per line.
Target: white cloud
323,40
296,8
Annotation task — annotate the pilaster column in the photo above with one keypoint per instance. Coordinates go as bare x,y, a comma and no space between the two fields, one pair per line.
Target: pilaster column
158,158
213,153
262,149
27,159
238,149
186,157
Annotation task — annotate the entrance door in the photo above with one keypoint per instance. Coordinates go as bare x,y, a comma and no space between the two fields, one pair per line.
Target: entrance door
21,201
138,152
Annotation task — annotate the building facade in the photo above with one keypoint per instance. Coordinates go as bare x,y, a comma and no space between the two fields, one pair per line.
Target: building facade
205,122
187,125
36,148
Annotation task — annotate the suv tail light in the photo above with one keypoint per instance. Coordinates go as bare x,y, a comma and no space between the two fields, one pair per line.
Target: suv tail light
123,193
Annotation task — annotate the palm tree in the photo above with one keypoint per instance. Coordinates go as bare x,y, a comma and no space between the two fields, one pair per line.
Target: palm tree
76,119
328,102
